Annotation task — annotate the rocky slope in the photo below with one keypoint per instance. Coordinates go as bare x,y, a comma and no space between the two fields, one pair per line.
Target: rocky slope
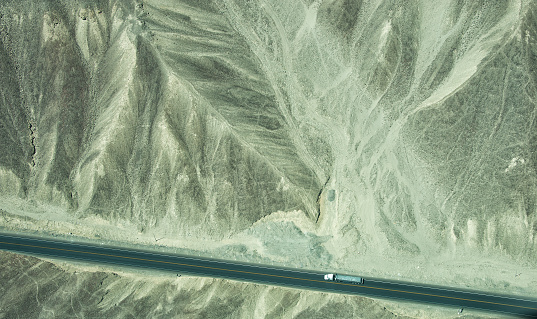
107,121
348,134
37,289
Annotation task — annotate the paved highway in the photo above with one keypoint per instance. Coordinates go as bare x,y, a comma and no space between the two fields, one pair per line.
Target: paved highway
373,287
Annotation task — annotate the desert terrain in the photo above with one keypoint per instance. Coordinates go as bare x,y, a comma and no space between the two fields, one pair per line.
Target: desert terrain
382,138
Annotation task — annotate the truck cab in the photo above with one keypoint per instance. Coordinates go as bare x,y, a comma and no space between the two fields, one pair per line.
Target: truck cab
329,277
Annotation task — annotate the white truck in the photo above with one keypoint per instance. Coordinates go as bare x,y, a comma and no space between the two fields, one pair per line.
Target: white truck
345,279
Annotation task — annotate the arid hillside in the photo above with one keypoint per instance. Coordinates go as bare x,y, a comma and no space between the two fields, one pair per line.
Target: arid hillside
373,137
38,289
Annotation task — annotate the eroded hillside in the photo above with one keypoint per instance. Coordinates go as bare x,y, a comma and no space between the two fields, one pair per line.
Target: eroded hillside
370,136
39,289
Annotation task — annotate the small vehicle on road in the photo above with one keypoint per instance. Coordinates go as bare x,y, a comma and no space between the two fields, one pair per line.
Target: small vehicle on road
343,278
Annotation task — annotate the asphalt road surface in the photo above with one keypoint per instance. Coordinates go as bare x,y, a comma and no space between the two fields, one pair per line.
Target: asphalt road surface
296,278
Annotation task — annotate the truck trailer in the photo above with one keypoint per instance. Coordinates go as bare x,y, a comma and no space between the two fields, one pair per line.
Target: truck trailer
346,279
